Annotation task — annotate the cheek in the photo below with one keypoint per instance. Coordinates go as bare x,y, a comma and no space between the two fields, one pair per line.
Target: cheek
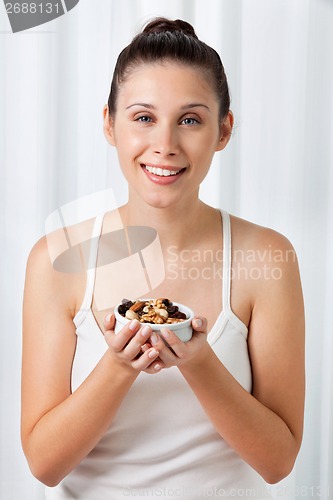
128,143
206,143
204,151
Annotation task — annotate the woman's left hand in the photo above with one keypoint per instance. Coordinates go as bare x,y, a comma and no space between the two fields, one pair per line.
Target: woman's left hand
177,353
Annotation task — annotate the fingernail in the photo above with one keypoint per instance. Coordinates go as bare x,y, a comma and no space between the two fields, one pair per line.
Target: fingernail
154,339
197,323
157,367
134,324
152,354
108,318
145,330
165,333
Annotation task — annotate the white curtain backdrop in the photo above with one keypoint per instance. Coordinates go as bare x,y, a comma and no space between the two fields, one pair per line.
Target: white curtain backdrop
277,170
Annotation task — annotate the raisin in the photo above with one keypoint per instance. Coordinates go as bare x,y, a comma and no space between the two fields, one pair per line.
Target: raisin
179,315
124,306
122,309
172,310
127,303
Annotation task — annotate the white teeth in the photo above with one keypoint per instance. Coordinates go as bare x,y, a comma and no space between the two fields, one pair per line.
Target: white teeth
163,172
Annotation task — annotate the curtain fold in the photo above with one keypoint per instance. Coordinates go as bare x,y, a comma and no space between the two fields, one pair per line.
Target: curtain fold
276,171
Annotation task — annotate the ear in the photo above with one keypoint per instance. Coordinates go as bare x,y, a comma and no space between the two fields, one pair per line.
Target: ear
108,126
225,131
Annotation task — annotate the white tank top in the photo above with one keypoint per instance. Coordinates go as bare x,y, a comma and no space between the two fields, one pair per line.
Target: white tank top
161,444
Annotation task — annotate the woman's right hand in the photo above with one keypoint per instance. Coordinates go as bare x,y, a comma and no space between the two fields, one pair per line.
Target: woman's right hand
130,345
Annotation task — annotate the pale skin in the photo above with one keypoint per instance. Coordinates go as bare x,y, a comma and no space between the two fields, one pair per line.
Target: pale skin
167,115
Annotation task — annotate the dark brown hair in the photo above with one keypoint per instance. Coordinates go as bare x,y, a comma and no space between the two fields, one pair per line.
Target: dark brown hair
175,41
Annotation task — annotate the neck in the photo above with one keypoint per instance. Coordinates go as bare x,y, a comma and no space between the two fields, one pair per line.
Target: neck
182,225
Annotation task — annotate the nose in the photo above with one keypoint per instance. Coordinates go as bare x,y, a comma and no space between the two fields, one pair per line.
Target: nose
165,140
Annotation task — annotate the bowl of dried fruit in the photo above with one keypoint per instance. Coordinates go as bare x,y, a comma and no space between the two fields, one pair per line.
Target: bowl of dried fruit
157,313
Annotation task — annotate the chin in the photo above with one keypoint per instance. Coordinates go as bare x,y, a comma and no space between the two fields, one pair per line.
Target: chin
160,201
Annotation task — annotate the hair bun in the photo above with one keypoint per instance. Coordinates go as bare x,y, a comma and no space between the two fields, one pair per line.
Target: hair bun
162,24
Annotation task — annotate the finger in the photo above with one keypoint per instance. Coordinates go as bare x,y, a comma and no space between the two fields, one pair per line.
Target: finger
199,324
119,340
176,348
155,367
156,341
134,346
145,347
145,360
166,353
109,321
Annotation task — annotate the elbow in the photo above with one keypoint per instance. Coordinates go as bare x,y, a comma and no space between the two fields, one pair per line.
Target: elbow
42,461
44,473
279,472
43,469
281,464
275,477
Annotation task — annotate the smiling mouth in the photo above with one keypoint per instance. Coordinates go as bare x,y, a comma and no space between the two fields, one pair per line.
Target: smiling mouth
162,172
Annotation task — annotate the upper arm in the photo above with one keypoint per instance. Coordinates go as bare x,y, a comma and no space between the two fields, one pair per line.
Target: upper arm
276,333
49,338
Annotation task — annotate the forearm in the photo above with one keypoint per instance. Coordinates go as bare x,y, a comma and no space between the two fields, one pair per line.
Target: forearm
256,433
68,432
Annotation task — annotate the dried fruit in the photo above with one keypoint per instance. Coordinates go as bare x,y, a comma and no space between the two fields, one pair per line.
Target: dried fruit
172,309
179,315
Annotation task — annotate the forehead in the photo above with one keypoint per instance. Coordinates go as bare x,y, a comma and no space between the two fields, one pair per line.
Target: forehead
166,80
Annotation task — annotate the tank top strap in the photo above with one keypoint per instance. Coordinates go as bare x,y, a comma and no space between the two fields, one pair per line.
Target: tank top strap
91,272
226,287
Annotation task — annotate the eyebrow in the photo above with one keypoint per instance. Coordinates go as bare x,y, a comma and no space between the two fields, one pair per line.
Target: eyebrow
185,107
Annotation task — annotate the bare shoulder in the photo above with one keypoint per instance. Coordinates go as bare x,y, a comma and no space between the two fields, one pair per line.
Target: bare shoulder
263,251
266,266
246,234
264,263
57,264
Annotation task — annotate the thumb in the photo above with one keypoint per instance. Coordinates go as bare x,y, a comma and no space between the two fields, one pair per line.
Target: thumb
199,324
109,321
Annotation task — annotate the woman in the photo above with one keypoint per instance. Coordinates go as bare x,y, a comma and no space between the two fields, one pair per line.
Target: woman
131,414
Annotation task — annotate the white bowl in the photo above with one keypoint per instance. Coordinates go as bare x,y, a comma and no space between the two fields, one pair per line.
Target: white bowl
183,329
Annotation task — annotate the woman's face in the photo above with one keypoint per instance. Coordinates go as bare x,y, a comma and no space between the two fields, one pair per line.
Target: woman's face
166,131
